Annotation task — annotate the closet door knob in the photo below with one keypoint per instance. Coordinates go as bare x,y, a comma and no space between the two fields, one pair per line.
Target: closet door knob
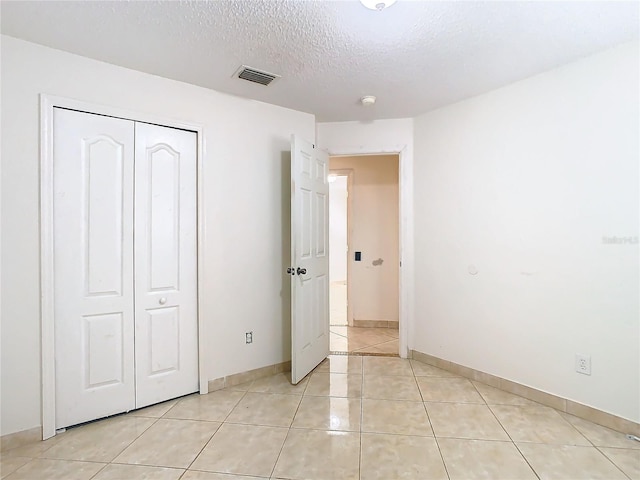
163,300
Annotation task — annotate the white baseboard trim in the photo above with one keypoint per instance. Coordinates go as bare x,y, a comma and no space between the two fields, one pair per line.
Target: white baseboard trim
554,401
243,377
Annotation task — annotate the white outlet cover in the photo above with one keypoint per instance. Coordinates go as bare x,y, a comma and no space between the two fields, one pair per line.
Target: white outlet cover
583,364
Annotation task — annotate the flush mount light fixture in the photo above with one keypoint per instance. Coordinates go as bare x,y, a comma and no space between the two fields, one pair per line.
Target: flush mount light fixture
368,100
377,4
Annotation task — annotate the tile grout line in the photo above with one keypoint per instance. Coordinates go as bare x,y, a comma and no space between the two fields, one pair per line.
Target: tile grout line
275,464
435,438
244,393
508,434
105,463
615,464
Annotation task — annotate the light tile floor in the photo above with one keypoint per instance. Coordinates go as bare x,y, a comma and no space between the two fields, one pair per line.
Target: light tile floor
354,418
363,340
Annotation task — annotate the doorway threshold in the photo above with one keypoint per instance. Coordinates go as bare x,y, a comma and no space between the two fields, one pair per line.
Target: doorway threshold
365,354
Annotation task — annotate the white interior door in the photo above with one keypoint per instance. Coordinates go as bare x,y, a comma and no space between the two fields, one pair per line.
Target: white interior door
165,264
309,258
93,160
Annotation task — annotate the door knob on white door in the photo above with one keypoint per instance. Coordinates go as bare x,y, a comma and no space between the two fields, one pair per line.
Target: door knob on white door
163,300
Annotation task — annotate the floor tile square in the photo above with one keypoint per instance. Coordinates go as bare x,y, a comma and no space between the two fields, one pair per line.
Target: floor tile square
369,335
387,366
481,459
241,387
537,424
341,364
601,436
125,472
495,396
391,388
387,457
169,443
319,455
568,461
445,389
464,420
395,417
11,464
334,385
279,383
32,450
49,469
242,449
329,413
196,475
213,407
423,370
393,332
627,460
268,409
100,441
154,411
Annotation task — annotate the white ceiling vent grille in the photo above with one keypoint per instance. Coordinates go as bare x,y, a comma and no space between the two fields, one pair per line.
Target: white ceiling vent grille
256,76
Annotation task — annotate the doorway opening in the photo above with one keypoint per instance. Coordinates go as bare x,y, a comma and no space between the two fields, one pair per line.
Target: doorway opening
338,248
364,249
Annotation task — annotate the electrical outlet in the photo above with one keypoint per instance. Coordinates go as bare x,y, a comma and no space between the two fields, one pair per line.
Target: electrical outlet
248,337
583,364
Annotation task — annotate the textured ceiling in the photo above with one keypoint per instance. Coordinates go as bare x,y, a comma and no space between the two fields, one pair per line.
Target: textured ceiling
414,56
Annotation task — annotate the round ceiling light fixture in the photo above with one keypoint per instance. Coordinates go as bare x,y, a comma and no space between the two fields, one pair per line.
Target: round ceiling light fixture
377,4
368,100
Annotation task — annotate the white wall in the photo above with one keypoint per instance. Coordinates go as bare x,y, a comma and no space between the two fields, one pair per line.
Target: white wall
338,229
523,183
384,136
374,195
246,178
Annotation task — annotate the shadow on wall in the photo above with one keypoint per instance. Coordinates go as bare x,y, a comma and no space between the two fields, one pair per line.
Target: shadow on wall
285,291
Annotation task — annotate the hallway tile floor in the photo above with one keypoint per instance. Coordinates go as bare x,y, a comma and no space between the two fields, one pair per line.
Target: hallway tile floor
363,340
352,418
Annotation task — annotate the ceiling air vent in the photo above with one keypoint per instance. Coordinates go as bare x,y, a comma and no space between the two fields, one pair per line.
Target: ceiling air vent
256,76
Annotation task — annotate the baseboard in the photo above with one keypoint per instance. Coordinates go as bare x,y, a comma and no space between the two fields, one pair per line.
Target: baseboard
559,403
18,439
375,323
248,376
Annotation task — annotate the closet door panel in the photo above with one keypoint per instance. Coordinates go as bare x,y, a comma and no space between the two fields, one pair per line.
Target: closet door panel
165,264
93,266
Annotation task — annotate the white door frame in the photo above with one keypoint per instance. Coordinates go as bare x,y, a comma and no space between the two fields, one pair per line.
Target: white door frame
405,186
346,172
47,104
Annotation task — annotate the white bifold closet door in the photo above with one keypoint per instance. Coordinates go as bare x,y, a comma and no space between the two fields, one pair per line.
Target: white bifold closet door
124,265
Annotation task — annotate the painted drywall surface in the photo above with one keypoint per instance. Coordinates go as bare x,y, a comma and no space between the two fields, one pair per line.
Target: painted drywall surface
338,229
393,135
522,185
246,202
373,293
